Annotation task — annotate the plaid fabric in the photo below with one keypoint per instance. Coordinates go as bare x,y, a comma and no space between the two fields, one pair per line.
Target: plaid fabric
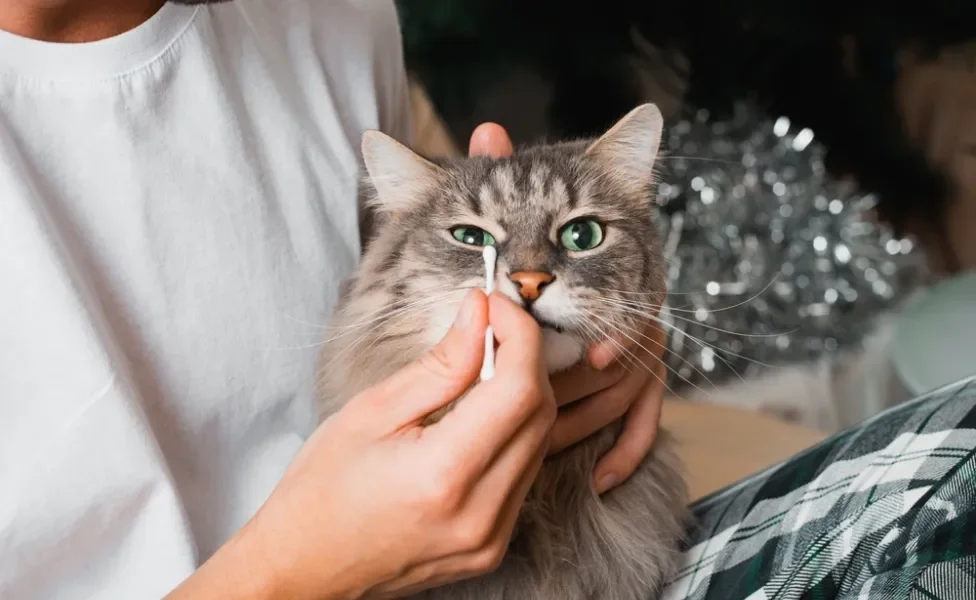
886,510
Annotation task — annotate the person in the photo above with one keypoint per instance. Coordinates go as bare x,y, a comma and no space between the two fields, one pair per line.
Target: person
178,207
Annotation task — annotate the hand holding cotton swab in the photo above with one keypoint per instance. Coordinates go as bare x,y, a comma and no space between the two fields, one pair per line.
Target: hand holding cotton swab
490,255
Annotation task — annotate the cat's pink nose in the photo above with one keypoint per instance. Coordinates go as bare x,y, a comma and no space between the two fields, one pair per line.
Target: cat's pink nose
531,283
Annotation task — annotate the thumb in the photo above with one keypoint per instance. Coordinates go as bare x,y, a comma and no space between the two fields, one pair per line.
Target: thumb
440,376
490,139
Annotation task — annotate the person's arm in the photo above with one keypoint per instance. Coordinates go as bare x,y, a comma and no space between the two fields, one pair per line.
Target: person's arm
376,504
239,570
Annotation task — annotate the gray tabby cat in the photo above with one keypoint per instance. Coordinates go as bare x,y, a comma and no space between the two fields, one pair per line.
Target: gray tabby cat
572,225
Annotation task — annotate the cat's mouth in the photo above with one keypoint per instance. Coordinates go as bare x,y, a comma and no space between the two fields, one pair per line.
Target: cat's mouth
545,323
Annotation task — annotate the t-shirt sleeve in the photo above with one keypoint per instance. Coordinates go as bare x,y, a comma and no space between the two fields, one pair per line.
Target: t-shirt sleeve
393,93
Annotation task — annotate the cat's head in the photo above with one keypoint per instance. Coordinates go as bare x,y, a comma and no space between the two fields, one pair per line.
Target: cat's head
571,223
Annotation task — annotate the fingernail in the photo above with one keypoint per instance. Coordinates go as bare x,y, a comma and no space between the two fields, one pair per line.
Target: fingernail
466,312
601,359
605,482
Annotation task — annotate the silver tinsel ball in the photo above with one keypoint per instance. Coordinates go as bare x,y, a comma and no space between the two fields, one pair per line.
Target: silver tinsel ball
771,261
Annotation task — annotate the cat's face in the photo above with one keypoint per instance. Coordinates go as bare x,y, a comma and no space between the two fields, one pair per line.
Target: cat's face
571,224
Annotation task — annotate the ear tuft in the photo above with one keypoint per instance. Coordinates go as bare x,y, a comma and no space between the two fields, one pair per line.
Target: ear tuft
630,147
399,175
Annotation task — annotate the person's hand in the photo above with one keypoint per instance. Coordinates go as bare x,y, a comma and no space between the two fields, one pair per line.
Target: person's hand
378,505
606,388
622,378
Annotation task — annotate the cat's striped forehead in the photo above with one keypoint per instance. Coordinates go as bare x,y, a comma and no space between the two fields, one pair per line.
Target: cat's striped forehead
617,169
534,188
522,183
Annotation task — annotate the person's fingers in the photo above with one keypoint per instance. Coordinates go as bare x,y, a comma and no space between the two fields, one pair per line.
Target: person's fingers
500,495
582,381
581,420
494,411
492,553
640,429
498,525
490,139
439,377
603,354
519,460
418,578
516,499
518,336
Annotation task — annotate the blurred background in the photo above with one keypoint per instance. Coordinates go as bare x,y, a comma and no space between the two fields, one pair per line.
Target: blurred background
818,195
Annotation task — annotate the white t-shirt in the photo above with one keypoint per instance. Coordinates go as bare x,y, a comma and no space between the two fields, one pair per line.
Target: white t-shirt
177,211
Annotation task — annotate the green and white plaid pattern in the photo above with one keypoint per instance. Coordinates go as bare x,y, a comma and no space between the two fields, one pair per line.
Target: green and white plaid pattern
886,510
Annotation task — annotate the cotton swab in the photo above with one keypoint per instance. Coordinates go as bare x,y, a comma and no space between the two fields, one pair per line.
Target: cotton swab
490,255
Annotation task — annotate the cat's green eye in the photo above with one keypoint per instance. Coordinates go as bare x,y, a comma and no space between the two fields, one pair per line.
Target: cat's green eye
584,234
472,236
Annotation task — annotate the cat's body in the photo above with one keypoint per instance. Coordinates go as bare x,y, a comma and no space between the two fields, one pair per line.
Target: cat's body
543,209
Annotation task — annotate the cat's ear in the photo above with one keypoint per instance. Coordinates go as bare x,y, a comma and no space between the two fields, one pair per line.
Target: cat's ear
399,175
630,147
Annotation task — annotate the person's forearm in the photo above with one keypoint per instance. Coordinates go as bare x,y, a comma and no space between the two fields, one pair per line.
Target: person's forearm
249,567
239,570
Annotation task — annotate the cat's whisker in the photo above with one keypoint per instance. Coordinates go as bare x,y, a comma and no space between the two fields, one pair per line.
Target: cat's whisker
598,335
639,310
387,320
662,293
728,331
589,332
637,360
353,344
666,366
701,343
665,158
383,326
441,291
402,311
592,334
747,300
386,312
426,308
636,306
618,329
715,349
633,361
377,314
665,348
318,327
657,306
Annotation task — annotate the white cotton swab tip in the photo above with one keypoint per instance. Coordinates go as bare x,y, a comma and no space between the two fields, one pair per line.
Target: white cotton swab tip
490,255
488,366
